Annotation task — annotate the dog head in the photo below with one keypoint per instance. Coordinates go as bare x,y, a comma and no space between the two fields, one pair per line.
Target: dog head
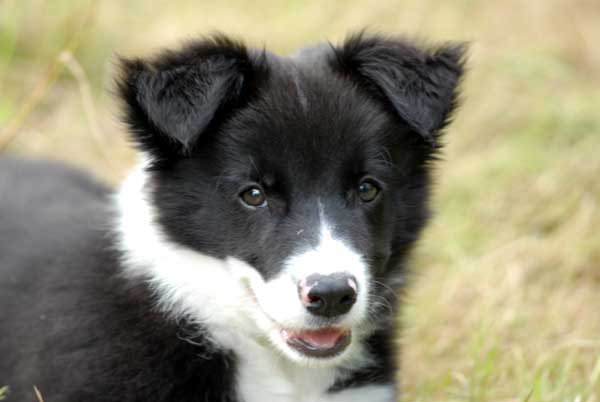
310,173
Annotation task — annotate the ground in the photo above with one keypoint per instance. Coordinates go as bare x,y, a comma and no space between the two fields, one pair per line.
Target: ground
505,301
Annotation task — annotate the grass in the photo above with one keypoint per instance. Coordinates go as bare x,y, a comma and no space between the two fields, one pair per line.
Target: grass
505,303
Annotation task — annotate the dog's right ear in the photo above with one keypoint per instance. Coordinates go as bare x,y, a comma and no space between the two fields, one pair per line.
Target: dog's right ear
173,99
420,84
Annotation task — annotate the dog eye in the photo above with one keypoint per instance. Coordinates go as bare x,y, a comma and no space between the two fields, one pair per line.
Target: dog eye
368,190
254,197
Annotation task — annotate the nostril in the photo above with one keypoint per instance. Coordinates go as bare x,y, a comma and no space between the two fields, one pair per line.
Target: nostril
315,302
348,299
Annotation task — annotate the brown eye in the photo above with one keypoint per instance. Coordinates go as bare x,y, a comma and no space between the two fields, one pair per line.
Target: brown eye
368,190
254,197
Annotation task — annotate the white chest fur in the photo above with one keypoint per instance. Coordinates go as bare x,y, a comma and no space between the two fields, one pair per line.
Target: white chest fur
263,376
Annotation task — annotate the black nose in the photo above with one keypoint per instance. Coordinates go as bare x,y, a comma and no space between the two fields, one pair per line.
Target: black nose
328,295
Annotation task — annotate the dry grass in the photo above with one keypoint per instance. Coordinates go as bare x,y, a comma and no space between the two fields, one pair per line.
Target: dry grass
506,303
38,394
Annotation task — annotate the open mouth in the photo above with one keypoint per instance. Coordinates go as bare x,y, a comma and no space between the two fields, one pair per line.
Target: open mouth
320,343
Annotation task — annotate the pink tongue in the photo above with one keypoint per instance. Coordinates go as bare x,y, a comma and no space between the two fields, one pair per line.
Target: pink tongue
323,338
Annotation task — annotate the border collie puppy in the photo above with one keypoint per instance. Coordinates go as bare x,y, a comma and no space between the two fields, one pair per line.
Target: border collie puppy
256,252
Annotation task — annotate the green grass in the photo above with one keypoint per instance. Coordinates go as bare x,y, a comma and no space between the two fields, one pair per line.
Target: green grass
505,305
3,393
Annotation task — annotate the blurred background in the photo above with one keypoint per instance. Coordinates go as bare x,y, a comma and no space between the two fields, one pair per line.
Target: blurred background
506,302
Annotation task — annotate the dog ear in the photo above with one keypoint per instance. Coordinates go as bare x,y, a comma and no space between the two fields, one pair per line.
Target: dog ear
420,85
172,99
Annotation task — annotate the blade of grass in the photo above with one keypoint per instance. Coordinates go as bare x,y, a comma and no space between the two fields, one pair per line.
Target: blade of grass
3,392
46,81
38,394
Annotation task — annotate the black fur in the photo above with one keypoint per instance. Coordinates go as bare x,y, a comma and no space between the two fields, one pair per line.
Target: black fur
216,117
420,85
68,323
171,99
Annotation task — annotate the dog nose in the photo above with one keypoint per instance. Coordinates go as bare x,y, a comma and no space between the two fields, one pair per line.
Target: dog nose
328,295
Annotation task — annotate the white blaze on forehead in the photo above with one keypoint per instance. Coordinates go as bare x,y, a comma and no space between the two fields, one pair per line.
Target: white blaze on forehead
331,255
299,90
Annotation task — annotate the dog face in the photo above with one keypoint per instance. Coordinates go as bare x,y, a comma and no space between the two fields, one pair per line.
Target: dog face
311,170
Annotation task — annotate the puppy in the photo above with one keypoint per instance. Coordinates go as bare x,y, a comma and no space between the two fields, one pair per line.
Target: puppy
257,250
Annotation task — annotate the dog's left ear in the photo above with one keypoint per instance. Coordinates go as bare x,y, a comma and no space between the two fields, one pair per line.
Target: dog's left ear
420,85
174,99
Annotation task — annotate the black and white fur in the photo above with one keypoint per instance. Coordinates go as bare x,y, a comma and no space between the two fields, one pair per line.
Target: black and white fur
172,289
